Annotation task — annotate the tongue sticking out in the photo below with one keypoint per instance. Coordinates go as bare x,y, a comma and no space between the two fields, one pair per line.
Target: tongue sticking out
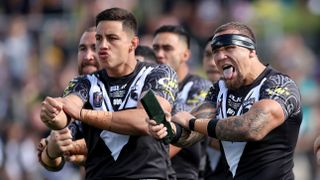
227,73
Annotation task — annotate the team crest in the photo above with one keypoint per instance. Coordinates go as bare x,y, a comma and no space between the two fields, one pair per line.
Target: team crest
97,99
133,93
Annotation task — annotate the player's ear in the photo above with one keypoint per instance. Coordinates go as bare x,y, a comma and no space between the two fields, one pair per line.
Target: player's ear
186,54
134,43
252,53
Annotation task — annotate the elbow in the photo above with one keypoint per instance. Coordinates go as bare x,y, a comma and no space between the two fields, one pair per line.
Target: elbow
254,135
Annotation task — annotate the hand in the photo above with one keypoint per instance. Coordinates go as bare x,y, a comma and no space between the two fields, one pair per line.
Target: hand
76,159
59,142
72,108
182,118
316,148
77,153
158,131
52,114
42,144
79,147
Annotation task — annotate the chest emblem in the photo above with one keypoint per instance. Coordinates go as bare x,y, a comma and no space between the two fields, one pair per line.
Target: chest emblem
97,99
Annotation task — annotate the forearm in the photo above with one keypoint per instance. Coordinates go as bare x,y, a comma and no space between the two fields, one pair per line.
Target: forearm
51,164
132,121
79,148
214,143
173,150
230,129
59,122
188,138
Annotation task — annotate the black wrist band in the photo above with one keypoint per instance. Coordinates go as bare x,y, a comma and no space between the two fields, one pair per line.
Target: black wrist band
178,132
47,152
191,123
211,128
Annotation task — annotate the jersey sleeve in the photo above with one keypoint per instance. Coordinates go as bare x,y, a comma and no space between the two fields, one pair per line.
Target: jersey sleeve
194,95
163,81
212,94
76,129
283,90
79,86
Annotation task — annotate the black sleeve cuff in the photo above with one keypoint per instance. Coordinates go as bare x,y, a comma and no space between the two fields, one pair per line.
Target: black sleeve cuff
211,128
177,134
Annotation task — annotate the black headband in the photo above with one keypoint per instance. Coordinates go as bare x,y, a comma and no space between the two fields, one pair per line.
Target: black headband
232,39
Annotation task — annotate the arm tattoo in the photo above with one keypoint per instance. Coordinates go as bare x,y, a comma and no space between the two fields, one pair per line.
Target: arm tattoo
249,126
188,138
206,110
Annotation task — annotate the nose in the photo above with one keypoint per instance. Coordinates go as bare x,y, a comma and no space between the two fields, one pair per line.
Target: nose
90,55
211,62
160,56
102,44
219,56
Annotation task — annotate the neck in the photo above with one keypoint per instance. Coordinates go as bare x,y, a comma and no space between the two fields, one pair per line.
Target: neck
123,69
182,72
255,72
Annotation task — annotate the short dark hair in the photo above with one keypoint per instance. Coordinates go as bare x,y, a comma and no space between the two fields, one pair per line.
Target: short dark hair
242,28
129,21
179,30
146,52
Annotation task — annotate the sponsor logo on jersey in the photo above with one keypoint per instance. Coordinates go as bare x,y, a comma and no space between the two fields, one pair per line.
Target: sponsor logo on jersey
97,99
231,112
114,88
117,102
234,98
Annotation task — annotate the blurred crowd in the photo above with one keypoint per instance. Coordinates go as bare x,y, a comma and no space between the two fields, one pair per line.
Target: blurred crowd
38,46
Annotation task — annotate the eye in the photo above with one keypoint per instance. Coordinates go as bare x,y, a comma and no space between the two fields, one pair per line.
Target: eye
230,48
82,48
155,48
112,38
167,48
98,38
215,51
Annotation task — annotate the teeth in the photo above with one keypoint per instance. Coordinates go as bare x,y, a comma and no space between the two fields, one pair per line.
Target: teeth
227,72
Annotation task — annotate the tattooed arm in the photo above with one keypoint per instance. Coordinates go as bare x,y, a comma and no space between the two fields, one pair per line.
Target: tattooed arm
204,111
254,125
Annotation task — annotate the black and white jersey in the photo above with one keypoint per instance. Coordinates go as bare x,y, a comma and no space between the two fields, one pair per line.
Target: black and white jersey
119,156
192,91
272,157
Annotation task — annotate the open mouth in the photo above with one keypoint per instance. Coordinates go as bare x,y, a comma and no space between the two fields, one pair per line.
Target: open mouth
228,71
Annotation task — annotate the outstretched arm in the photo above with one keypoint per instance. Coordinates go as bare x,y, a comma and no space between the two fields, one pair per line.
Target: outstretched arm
131,121
253,125
184,137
